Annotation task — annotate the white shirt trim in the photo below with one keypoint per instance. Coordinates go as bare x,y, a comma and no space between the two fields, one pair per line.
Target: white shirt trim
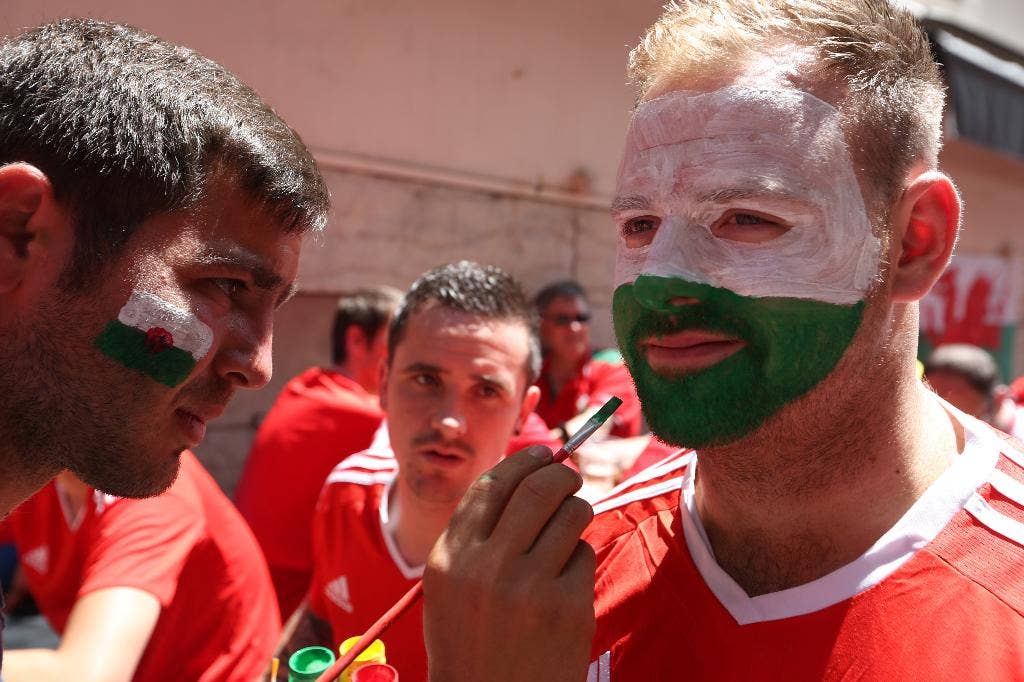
407,571
918,526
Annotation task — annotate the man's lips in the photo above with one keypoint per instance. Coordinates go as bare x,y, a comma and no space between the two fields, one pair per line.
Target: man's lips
192,421
442,456
688,351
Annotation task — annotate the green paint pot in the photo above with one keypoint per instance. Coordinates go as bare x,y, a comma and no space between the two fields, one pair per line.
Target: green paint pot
308,663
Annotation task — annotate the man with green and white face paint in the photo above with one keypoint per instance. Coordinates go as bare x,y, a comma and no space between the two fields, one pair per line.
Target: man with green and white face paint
779,216
740,277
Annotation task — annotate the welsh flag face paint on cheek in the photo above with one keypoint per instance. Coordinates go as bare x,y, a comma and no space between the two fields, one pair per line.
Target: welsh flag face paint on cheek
154,337
789,346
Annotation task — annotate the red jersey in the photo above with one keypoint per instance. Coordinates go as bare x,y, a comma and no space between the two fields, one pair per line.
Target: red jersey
940,596
594,383
320,417
359,573
188,547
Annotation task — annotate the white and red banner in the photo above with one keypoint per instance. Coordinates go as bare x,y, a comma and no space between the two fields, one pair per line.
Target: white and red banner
975,301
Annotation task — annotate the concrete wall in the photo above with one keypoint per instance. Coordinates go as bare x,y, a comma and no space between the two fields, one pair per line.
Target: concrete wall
456,129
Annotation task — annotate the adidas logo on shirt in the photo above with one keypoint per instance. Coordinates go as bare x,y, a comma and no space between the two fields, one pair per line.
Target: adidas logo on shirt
38,559
337,592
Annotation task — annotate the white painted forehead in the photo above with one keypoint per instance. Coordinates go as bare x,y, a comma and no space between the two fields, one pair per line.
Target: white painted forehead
685,115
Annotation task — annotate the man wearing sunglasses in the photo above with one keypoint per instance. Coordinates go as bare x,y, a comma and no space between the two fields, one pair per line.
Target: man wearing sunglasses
575,381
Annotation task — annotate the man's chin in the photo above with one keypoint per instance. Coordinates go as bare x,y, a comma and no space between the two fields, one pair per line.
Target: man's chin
138,479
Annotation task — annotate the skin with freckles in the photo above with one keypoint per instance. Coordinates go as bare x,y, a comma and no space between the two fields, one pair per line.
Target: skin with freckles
741,278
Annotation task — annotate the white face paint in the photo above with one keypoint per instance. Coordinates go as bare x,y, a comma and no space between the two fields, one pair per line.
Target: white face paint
692,158
145,311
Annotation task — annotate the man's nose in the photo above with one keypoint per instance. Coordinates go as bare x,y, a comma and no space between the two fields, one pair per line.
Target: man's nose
246,356
449,421
663,294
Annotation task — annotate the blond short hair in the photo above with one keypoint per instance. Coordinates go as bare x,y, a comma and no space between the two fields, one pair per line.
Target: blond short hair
892,92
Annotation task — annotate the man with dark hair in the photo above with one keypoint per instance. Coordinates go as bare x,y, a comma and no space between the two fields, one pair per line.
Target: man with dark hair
779,216
574,380
462,359
321,416
152,210
967,377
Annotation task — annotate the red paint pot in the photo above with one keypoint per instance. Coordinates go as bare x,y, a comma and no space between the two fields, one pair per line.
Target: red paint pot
375,672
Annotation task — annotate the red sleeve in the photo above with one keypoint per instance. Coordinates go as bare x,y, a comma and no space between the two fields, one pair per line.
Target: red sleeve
316,584
612,379
143,544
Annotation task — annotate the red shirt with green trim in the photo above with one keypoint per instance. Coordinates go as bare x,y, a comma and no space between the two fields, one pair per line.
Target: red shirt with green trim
597,379
319,418
940,596
358,572
188,547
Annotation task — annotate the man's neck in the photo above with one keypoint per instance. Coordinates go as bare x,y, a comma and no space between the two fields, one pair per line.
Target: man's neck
74,492
360,375
414,525
816,490
559,371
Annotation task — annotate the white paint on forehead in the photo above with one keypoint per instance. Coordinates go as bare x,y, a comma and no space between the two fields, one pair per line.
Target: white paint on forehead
145,311
691,156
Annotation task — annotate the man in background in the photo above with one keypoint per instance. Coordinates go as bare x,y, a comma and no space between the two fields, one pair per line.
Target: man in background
320,417
968,378
575,381
462,360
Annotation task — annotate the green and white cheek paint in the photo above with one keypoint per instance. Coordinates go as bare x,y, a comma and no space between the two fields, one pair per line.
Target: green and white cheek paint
796,300
157,338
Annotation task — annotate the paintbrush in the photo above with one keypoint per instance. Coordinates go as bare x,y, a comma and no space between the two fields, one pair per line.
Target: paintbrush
410,597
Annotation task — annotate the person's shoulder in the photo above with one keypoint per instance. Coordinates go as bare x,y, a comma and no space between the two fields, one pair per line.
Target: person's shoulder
361,475
647,494
985,544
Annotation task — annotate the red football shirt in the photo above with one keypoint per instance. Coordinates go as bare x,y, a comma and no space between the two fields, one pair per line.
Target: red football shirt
940,596
594,383
320,417
358,573
188,547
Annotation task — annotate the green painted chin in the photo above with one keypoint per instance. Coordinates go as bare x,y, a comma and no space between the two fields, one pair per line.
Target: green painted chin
792,344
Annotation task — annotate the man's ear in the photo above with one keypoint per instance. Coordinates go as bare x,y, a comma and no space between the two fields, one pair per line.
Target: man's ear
927,220
530,400
356,343
24,189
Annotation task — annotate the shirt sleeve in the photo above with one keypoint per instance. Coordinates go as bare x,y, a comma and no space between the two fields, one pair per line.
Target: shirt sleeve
143,544
315,601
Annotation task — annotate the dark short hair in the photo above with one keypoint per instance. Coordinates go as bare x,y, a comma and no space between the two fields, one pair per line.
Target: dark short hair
369,309
483,290
974,364
566,288
127,126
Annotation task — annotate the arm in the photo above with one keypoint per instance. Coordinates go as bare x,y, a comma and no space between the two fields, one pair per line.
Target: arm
509,586
105,637
302,629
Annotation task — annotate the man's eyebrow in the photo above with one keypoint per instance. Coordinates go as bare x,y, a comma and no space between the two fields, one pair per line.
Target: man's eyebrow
493,381
631,202
422,367
756,190
263,276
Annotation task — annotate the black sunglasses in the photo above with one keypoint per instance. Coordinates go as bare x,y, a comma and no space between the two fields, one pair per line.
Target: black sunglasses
566,320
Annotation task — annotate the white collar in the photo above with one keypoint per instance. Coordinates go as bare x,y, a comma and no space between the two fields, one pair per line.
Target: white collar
918,527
